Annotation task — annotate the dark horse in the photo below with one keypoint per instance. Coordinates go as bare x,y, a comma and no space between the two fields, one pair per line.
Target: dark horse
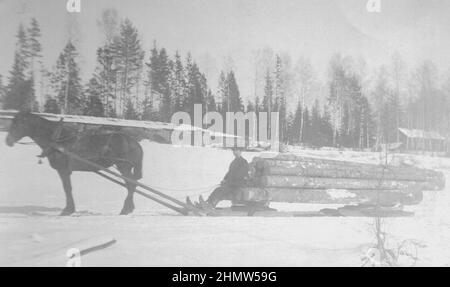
106,148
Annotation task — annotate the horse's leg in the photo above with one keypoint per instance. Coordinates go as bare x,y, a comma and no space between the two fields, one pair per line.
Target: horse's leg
128,205
64,174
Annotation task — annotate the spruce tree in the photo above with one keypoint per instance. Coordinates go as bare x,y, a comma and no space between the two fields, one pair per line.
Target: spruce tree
268,94
130,111
234,100
326,128
160,76
280,97
2,92
23,48
221,93
196,87
19,93
315,134
106,76
306,121
296,126
34,45
129,56
179,84
67,82
210,102
34,53
93,105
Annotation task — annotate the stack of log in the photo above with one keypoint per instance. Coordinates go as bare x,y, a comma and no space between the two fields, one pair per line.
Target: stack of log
293,178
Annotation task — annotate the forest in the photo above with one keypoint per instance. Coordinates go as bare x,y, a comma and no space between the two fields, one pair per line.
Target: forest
352,105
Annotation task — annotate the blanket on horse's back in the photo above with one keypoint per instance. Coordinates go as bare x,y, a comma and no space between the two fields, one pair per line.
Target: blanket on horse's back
99,145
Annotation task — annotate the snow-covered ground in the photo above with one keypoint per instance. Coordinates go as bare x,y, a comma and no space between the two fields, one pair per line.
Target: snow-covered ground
31,234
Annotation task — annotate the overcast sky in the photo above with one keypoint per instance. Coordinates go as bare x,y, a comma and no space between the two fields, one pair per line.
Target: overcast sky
216,29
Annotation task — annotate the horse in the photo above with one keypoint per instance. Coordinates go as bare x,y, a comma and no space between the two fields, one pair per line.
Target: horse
105,148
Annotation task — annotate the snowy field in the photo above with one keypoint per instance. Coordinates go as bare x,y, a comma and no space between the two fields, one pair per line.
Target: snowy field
31,233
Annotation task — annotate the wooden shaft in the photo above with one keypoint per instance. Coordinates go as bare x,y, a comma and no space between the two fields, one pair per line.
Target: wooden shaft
179,210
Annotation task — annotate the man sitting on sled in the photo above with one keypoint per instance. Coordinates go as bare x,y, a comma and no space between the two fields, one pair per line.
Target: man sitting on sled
235,178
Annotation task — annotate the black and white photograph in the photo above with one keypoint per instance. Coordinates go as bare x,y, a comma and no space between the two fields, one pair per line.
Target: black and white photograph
224,133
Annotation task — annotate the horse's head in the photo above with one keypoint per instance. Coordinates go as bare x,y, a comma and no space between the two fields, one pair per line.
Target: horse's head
19,128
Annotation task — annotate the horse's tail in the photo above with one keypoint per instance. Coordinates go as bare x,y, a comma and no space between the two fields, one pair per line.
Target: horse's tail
137,169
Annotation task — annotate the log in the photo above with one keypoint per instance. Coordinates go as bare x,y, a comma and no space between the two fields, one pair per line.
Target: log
407,172
292,160
340,169
340,173
337,183
409,196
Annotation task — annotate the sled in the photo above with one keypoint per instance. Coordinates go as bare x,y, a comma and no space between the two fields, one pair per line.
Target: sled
349,211
261,208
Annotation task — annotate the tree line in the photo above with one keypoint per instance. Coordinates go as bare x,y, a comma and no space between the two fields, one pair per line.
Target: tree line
350,107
